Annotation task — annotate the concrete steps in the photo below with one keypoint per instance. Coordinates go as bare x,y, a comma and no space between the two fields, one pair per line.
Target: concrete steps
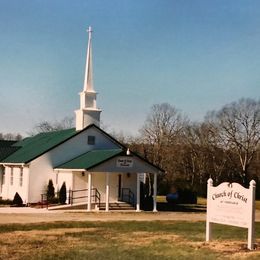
117,206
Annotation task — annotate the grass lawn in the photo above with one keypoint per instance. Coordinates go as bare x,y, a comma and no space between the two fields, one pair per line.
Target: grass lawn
123,240
202,201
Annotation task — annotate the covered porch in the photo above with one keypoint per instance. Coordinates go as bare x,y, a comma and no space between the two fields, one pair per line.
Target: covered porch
104,177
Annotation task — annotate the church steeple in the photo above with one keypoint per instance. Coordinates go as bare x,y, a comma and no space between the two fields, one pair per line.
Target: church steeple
88,112
88,82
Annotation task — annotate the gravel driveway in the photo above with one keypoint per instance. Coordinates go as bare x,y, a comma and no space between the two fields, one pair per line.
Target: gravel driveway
31,215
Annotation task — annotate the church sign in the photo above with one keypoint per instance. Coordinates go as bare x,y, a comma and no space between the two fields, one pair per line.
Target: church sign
231,204
125,162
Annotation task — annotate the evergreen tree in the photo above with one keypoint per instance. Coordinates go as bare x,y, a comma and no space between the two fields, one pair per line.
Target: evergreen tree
17,201
50,191
63,194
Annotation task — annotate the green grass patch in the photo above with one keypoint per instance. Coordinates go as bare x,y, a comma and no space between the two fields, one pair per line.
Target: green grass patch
202,201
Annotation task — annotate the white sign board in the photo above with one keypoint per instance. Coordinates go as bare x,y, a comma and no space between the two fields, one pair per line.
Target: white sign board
231,204
124,162
142,177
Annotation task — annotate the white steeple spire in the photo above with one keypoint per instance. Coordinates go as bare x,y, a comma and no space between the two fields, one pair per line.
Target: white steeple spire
88,112
88,83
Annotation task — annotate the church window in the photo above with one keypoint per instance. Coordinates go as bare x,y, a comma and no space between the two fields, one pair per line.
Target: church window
12,176
21,177
3,177
57,178
91,140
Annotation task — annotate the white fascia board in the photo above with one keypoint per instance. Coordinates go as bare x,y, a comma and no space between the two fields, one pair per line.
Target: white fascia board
14,164
69,170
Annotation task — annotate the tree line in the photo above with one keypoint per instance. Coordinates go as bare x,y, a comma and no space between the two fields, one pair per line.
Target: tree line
224,147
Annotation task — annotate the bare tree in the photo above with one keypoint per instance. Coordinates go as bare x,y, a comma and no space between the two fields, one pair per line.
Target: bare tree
10,137
239,127
160,133
47,126
203,157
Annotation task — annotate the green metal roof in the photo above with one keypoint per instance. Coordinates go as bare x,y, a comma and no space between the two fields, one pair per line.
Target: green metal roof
90,159
32,147
6,148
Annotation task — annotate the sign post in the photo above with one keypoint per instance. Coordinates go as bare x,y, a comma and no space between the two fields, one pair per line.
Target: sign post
231,204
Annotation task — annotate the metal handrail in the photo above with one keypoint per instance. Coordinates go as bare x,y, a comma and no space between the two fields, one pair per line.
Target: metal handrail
97,196
45,201
130,197
71,197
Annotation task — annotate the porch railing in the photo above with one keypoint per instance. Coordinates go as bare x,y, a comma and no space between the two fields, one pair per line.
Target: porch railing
73,197
128,196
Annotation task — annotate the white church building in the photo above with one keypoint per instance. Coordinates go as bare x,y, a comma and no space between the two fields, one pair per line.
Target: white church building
94,166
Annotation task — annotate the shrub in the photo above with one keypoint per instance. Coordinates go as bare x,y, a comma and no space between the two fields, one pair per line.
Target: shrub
6,202
50,191
147,203
63,194
17,201
187,196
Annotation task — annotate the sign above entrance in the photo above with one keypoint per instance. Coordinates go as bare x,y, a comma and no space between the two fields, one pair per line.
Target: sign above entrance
124,162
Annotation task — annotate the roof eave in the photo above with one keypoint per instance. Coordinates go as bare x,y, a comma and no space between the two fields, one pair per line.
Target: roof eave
14,164
69,170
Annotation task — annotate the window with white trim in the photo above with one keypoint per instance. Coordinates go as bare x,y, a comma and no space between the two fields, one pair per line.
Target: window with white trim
91,140
3,177
12,176
21,177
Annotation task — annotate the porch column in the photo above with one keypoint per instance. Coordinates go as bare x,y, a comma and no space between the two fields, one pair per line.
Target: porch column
1,178
89,190
137,192
154,192
107,191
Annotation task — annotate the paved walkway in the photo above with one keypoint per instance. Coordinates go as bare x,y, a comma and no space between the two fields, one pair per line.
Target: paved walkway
31,215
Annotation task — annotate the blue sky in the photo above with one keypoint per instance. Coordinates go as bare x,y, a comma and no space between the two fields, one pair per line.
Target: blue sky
196,55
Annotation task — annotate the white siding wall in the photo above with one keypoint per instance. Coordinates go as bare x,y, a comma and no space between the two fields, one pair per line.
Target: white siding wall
80,182
9,190
139,165
129,182
41,169
99,182
66,177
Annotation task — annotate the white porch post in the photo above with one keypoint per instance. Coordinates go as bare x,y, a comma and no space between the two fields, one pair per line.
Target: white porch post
107,191
89,190
154,192
137,192
251,228
26,173
208,223
1,178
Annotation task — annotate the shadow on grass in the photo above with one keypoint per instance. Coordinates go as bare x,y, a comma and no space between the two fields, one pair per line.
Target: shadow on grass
164,206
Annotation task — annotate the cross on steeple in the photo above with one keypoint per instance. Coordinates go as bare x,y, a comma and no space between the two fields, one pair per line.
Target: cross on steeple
90,31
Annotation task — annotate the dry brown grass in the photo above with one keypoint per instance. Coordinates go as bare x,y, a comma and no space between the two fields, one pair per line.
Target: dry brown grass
23,244
230,249
34,244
